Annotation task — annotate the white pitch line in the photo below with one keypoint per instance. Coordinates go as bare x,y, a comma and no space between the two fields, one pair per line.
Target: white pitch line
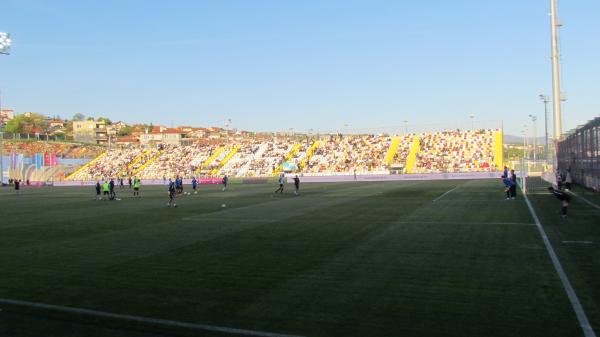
582,242
464,223
587,201
140,319
443,195
585,325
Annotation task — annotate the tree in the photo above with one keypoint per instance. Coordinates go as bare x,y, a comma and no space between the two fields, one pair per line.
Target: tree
78,117
27,123
125,131
105,120
90,118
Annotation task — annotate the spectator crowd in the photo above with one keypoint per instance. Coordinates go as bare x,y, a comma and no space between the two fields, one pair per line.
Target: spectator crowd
445,151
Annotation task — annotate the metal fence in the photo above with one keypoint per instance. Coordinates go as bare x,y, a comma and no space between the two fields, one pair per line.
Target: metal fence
33,136
579,153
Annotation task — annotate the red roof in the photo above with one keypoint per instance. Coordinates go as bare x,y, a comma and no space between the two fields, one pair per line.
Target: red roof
127,139
167,131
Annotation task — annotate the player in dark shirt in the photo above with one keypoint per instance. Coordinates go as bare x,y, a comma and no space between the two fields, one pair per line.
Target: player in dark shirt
507,186
112,189
225,181
563,197
297,185
98,190
179,185
172,193
195,185
513,186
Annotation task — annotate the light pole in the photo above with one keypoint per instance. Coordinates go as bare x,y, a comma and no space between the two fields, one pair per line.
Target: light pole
405,127
227,125
4,50
525,142
545,99
556,94
472,116
534,122
523,134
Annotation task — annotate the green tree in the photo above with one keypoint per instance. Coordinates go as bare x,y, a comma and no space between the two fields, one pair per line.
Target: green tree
27,123
90,118
78,117
125,131
105,120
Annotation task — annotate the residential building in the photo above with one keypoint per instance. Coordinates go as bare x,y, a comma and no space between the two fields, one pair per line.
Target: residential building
90,132
6,115
127,141
161,135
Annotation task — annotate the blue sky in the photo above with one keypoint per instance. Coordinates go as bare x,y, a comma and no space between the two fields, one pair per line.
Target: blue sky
275,65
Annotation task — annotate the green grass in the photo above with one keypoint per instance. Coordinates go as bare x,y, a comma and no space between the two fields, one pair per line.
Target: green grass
345,259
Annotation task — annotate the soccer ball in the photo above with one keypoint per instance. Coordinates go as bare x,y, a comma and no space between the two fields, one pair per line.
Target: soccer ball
223,205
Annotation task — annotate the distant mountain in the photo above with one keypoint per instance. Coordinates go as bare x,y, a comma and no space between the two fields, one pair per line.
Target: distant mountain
510,139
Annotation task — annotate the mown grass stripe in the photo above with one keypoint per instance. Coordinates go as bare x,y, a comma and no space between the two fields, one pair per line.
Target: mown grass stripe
140,319
585,325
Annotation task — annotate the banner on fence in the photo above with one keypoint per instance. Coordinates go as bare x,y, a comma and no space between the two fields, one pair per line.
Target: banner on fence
397,177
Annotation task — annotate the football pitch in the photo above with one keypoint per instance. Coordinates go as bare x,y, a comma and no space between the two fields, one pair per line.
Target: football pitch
431,258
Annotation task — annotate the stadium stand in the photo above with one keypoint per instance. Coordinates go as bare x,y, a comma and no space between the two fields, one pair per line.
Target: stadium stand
349,154
62,150
456,151
430,152
108,166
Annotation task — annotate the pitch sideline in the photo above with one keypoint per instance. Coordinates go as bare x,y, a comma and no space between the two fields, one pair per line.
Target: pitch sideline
443,195
585,200
585,325
141,319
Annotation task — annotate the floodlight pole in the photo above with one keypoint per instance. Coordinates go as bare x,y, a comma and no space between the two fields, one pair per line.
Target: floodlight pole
524,132
227,125
525,142
534,122
1,153
556,94
544,99
4,50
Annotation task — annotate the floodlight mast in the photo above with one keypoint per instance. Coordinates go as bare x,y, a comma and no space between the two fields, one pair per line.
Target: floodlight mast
5,50
5,43
545,99
556,94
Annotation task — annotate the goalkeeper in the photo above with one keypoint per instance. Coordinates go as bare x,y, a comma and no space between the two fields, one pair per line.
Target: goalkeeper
563,197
